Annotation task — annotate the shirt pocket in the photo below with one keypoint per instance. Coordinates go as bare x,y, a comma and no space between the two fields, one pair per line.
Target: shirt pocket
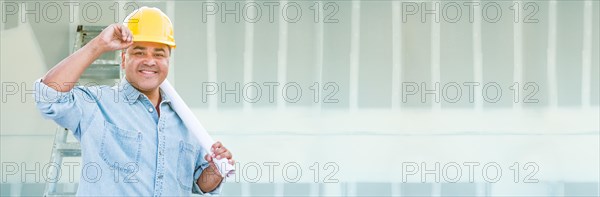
186,165
120,148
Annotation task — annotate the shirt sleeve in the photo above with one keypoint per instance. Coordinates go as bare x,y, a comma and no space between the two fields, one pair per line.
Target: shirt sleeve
202,165
70,109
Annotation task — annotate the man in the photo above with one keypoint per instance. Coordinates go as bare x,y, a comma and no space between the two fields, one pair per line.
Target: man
132,142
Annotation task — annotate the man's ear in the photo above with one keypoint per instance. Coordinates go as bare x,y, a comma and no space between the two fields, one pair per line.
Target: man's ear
123,59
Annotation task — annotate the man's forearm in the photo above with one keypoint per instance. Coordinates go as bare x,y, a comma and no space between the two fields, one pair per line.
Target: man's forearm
209,179
62,76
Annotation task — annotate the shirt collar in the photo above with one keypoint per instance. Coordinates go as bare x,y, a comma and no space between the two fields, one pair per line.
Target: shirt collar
164,96
131,94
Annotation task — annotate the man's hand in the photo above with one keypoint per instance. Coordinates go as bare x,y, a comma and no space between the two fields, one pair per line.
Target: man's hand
114,37
211,177
219,151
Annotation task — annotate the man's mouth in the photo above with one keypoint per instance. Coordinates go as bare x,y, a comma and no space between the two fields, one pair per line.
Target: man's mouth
148,72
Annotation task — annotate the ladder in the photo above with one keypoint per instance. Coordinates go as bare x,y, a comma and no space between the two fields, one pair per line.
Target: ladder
103,71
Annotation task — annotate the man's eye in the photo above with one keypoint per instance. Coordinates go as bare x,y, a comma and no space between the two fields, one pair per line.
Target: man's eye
138,53
159,55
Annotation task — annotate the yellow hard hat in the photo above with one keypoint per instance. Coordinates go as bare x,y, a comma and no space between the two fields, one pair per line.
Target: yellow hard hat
150,25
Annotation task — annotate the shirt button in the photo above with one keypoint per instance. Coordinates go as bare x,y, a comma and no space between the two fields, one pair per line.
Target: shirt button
151,110
160,176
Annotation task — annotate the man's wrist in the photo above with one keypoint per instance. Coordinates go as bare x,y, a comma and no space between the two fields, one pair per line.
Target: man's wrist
96,48
209,179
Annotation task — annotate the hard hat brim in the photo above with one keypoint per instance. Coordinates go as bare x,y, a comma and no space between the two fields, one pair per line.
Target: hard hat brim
152,39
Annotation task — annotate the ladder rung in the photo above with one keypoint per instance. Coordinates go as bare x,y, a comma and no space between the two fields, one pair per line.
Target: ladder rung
86,28
69,149
102,71
106,62
60,194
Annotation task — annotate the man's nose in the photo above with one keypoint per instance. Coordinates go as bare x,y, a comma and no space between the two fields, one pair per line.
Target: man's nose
149,61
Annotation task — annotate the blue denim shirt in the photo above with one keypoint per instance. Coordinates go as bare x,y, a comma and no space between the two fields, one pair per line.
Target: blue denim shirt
126,148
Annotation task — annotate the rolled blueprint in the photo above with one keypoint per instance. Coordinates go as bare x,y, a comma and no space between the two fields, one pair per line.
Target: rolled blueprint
194,126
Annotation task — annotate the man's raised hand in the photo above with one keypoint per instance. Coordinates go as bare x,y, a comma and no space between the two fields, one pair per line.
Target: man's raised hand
114,37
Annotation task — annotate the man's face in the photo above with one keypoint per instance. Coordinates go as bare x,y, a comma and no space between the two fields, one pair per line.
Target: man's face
146,65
